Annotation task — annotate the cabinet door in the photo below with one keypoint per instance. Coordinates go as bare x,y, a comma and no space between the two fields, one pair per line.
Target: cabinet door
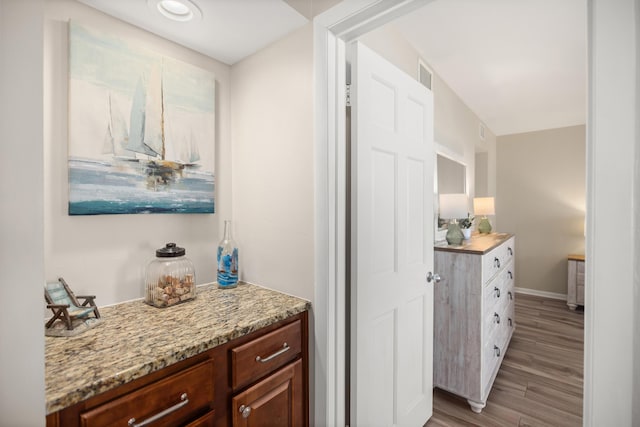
275,401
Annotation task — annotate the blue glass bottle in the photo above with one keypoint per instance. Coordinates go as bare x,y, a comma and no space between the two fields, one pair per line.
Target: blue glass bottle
227,260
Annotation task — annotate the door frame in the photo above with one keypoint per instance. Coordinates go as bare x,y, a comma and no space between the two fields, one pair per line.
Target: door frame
343,23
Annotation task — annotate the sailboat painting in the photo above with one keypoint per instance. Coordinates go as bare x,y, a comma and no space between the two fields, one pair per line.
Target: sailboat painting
141,129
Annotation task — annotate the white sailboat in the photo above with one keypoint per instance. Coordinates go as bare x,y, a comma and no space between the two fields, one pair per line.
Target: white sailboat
143,127
116,137
190,154
147,134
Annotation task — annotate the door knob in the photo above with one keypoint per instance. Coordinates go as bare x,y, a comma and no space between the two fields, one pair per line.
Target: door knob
434,277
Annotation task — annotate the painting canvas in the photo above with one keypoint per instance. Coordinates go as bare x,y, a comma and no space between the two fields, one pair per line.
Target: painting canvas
141,129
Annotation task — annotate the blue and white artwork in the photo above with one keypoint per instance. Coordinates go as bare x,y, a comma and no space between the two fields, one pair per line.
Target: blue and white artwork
141,129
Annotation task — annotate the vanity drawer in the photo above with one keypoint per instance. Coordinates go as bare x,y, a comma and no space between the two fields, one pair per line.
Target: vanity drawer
263,355
183,397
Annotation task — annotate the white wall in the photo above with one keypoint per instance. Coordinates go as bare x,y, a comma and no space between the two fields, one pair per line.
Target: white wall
612,147
106,255
636,228
273,170
21,216
272,122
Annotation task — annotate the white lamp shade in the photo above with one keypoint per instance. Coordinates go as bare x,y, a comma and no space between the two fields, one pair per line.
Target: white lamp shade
454,206
484,206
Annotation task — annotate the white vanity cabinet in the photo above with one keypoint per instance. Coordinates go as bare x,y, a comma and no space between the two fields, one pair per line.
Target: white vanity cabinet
474,316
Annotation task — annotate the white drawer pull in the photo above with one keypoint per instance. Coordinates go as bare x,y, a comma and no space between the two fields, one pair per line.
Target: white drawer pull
284,349
183,401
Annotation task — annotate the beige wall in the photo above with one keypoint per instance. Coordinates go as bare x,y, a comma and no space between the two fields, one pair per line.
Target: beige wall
272,122
541,198
106,255
456,127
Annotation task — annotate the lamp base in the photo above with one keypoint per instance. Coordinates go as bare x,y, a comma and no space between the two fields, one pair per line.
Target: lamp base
484,226
454,234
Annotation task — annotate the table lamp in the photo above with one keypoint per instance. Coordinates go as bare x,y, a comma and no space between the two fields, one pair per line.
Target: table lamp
484,206
452,207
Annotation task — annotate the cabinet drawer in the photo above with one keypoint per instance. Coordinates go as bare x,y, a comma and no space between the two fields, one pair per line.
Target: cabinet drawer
182,397
496,291
497,259
580,273
259,357
580,294
207,420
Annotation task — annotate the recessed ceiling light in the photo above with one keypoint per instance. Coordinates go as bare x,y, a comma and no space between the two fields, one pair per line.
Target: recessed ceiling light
176,10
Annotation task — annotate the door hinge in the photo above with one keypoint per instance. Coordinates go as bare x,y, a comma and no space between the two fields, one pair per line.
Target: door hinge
348,96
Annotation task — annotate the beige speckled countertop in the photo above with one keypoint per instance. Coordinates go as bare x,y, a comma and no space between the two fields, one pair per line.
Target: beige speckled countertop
136,339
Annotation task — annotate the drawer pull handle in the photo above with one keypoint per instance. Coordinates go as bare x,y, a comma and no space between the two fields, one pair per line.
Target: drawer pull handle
496,262
184,400
496,350
510,275
510,251
245,411
496,316
510,322
510,296
284,349
497,291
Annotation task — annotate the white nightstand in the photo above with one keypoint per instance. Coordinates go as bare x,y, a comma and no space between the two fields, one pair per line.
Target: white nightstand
575,281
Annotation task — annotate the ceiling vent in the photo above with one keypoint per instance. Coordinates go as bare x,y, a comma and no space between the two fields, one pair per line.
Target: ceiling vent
481,131
425,75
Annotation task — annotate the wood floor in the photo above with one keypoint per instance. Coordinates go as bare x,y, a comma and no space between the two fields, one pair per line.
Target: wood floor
540,380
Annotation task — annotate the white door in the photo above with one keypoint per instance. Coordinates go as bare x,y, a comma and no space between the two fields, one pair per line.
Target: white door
392,244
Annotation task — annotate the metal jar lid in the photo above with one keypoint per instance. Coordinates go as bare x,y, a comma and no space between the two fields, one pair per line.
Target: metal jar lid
170,251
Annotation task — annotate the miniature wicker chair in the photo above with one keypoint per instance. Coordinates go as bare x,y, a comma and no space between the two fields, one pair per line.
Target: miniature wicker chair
64,304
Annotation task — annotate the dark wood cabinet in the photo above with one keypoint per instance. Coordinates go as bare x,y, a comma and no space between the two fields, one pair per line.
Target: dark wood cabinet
266,370
274,401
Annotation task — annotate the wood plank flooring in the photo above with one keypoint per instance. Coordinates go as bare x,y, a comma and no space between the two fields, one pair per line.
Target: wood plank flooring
540,380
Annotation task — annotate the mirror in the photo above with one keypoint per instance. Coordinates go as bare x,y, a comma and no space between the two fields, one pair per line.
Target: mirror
450,177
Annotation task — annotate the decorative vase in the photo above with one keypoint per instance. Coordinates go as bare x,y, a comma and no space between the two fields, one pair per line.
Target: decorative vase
227,260
466,232
454,233
484,226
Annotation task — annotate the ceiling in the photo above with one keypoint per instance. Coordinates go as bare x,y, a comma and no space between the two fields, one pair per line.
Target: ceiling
519,65
228,31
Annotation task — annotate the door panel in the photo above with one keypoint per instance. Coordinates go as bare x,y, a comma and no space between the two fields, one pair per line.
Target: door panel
392,250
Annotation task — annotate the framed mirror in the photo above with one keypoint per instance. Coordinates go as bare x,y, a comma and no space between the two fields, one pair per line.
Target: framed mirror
450,177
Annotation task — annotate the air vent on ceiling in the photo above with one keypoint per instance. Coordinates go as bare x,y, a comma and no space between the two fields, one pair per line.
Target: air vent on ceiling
425,75
481,131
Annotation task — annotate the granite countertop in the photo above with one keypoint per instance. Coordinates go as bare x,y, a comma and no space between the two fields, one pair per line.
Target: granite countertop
137,339
478,244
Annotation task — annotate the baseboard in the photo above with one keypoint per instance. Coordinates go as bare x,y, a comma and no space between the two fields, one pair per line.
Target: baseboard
537,293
